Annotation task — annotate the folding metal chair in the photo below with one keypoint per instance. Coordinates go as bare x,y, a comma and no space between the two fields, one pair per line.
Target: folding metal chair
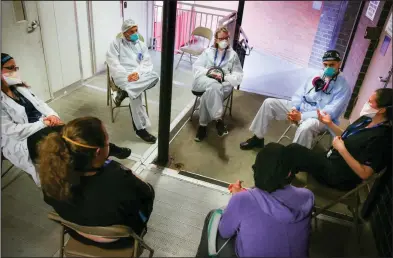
111,87
315,141
196,49
75,248
350,198
228,104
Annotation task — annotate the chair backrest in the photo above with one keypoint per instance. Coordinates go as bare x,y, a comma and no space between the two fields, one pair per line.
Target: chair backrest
203,32
115,231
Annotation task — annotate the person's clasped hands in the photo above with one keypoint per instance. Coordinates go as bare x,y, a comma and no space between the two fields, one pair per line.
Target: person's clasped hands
236,187
294,116
52,121
133,77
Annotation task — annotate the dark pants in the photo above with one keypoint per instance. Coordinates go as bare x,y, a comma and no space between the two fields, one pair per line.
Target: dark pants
203,251
34,139
324,170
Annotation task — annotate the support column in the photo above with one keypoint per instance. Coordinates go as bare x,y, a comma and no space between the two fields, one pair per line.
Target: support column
168,47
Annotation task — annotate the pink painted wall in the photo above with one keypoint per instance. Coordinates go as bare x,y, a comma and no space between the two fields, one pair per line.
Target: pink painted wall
379,66
282,28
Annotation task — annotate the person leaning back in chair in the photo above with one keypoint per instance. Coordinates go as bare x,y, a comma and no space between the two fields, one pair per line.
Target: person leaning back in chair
216,72
359,151
329,92
26,119
131,69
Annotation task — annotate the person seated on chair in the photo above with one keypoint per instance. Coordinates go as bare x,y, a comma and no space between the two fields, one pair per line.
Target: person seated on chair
216,71
361,150
84,186
25,118
131,68
329,92
273,219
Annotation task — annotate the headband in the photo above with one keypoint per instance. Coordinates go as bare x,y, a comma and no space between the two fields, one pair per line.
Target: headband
80,144
5,58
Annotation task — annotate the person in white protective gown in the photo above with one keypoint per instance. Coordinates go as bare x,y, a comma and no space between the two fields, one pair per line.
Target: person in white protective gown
26,120
216,86
329,92
131,68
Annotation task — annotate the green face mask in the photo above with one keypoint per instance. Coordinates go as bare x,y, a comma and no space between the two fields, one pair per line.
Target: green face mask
329,71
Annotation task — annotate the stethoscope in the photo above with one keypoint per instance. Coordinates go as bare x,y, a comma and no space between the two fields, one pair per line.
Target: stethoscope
222,58
327,93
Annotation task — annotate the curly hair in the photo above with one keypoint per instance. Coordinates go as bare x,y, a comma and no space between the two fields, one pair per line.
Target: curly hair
60,161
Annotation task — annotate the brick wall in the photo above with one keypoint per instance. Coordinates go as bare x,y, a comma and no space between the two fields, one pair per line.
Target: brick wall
326,31
348,21
362,50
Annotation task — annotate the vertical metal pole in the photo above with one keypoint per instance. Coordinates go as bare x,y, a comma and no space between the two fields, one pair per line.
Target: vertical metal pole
168,47
352,35
239,19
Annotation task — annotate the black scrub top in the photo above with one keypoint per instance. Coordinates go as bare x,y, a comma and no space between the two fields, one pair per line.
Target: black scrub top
33,115
369,146
113,196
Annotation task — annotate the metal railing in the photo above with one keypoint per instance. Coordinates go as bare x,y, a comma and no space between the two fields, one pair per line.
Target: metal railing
189,17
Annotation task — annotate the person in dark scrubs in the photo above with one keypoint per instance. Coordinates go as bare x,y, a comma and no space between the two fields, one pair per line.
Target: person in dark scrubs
85,187
358,152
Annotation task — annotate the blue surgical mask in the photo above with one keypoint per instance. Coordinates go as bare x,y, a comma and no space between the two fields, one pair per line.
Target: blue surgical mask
134,37
329,71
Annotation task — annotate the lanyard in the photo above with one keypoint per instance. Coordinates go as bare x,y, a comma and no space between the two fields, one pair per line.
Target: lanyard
353,129
222,58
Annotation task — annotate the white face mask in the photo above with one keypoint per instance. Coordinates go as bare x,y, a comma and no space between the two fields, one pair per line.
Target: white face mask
223,44
368,111
12,78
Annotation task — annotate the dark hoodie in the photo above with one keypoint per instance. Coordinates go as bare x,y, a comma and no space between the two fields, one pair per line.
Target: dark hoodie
276,224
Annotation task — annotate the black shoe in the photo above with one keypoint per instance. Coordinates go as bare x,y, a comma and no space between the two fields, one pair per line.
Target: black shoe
119,152
253,142
121,95
221,128
146,136
201,134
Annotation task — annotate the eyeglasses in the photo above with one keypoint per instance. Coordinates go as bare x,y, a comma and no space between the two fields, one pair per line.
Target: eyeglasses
11,68
226,38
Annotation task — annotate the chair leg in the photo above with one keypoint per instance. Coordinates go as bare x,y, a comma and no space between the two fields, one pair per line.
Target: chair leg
108,93
193,108
318,140
315,218
230,107
147,108
62,241
190,59
136,246
111,107
179,60
284,135
356,219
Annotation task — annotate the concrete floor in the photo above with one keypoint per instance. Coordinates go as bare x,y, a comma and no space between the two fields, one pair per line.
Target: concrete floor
182,203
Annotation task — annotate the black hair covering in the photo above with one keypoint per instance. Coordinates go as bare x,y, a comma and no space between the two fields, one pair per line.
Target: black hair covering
5,58
271,168
331,55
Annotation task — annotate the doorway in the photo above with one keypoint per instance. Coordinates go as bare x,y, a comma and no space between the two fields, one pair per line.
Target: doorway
24,43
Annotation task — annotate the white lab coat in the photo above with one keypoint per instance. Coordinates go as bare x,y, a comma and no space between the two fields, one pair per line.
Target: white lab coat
122,59
15,129
211,106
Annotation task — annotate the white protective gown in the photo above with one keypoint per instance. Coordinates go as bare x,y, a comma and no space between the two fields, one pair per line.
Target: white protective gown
122,59
211,106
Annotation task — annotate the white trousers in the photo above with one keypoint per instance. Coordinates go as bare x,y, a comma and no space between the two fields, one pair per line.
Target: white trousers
277,109
134,91
212,101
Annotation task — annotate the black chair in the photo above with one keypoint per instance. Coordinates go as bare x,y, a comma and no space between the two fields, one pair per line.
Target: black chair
228,104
